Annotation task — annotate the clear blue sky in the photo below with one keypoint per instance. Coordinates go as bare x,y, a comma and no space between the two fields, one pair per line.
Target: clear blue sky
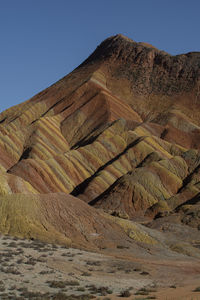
43,40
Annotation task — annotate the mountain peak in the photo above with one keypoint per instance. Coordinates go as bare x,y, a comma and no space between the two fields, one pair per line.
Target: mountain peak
119,36
119,47
149,69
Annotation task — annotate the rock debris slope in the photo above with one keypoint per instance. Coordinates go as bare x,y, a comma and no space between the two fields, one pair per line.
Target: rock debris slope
121,133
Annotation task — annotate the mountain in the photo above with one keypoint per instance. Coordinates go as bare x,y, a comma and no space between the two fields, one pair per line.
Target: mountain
108,149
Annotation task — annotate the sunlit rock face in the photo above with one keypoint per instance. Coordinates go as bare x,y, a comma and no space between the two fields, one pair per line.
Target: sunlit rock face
121,133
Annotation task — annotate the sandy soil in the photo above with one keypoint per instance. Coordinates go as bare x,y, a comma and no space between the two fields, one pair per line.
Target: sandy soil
34,270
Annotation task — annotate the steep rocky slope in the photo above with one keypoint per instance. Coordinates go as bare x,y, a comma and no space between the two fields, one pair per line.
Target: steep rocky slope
121,133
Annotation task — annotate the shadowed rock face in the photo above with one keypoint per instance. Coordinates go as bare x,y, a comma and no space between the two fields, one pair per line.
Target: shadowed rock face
148,69
121,133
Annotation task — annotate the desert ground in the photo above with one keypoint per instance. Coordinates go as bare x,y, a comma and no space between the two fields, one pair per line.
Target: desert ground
36,270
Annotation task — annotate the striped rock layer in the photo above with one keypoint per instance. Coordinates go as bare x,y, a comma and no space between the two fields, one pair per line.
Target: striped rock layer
121,133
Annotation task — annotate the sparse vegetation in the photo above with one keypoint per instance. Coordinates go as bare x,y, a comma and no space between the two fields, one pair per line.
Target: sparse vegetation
72,282
142,291
93,263
10,270
144,273
44,272
103,291
62,296
81,289
86,274
122,247
197,289
31,261
62,284
57,284
125,293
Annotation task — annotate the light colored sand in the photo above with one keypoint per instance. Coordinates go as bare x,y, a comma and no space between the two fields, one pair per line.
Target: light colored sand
32,265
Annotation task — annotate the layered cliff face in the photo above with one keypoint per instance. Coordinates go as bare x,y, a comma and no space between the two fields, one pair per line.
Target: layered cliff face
121,133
